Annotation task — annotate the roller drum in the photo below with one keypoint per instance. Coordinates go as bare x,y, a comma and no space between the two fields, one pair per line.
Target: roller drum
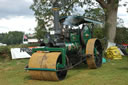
46,60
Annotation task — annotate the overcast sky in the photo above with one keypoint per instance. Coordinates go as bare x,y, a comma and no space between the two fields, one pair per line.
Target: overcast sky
15,15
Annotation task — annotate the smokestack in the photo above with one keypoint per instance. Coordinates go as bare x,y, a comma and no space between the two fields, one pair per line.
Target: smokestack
56,17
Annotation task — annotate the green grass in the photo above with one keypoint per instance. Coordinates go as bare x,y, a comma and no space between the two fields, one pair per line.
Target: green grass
114,72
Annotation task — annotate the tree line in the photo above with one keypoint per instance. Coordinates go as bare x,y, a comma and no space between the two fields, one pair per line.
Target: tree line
10,38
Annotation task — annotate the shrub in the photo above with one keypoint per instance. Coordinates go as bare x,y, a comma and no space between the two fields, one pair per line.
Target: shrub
5,53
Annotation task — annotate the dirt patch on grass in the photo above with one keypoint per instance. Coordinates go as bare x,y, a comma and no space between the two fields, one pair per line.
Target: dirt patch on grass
7,68
20,63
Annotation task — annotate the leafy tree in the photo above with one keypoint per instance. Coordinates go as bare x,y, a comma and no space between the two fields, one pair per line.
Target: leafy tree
120,22
43,11
40,30
95,14
2,35
98,33
121,35
13,37
43,14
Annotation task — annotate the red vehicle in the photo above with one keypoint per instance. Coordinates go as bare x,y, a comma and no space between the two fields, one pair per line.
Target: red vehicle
125,45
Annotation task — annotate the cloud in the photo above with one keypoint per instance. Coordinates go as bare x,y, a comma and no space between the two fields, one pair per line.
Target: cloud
19,23
15,15
11,8
123,14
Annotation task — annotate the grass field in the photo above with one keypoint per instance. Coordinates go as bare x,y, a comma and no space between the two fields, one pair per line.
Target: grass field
114,72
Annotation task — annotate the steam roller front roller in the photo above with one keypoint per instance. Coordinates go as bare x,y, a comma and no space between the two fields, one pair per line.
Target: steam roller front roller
45,64
94,50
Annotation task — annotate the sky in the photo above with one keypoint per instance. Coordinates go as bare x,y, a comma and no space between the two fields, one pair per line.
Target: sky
15,15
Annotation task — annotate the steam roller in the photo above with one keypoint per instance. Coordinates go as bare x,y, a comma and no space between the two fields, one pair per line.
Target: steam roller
69,44
63,51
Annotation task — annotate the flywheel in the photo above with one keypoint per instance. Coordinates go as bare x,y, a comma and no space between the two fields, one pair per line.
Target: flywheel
46,60
94,53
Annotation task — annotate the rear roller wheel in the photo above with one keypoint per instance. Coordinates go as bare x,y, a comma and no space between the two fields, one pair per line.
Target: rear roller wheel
49,61
94,53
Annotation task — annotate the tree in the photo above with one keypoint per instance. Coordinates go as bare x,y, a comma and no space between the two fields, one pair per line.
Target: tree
40,30
120,22
95,14
109,8
121,35
43,14
13,37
